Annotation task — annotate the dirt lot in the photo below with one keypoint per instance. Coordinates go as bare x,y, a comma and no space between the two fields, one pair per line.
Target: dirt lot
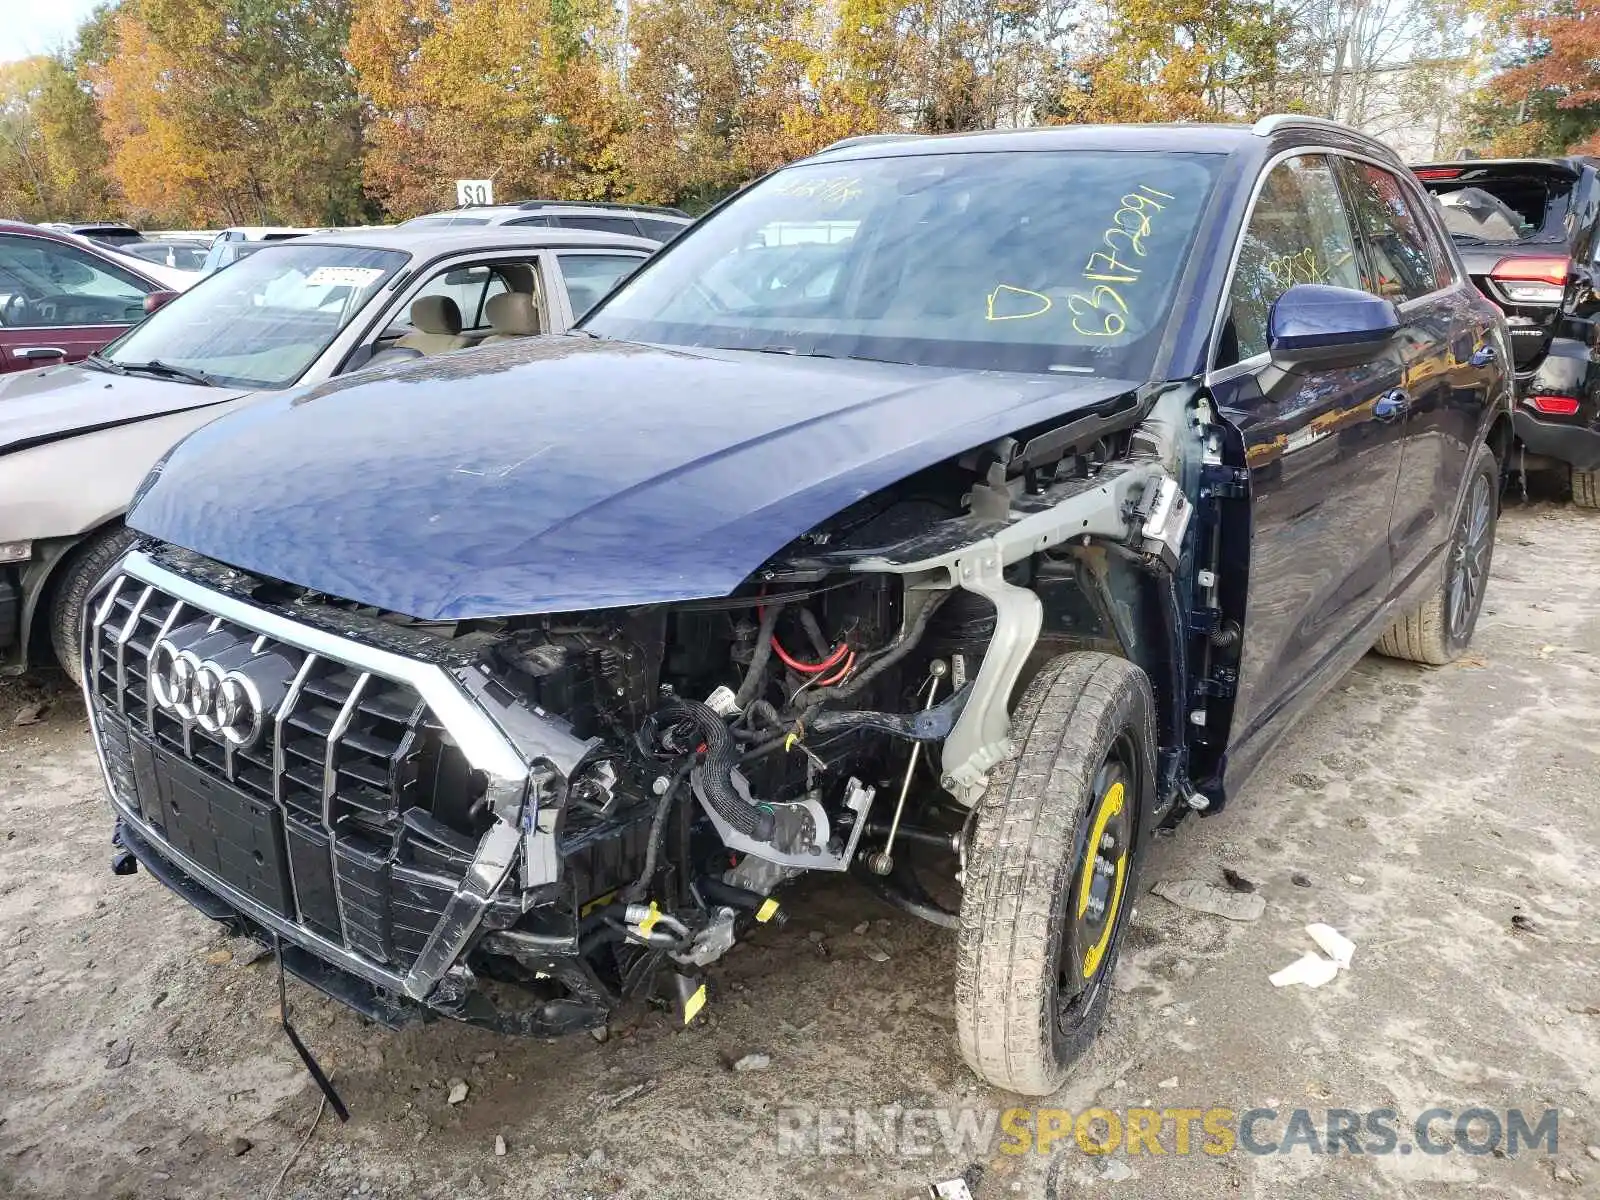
1424,809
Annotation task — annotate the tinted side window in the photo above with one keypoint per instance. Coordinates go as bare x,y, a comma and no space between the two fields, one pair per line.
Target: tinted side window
541,222
1297,233
662,231
603,224
1402,261
45,284
588,277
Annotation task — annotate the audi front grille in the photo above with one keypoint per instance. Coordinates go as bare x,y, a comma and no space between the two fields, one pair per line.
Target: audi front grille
319,784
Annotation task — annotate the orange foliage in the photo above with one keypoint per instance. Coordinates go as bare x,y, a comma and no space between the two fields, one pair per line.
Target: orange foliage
484,89
1556,90
218,112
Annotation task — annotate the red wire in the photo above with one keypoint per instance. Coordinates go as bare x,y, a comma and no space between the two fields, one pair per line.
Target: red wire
838,676
806,668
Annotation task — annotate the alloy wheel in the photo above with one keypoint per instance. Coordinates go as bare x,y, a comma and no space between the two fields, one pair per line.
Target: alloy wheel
1469,565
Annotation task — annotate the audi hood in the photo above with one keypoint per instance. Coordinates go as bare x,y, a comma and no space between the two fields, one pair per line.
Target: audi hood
565,473
37,407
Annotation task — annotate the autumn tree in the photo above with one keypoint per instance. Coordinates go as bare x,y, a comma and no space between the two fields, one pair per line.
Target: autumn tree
233,111
77,160
185,112
520,93
52,157
697,95
1190,60
1548,100
24,183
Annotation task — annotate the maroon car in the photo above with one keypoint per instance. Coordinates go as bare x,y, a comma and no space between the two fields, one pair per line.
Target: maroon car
61,300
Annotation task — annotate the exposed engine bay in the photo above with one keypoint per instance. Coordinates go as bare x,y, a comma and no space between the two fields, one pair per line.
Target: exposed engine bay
840,712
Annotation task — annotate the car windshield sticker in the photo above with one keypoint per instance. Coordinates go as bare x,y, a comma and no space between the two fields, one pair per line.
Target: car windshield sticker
829,189
343,276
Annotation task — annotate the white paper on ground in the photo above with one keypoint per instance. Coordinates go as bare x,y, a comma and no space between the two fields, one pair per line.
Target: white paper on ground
1310,969
1332,943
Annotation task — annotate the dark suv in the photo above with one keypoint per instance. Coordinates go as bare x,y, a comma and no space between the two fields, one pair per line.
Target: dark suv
953,511
1526,232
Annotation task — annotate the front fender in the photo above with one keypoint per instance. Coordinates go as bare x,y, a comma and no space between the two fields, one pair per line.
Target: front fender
67,488
57,494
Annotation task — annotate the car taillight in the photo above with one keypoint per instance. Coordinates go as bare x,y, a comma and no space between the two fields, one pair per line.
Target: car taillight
1531,280
1438,172
1554,406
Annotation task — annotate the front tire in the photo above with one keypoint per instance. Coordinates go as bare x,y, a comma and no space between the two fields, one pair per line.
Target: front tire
1053,871
1439,630
78,574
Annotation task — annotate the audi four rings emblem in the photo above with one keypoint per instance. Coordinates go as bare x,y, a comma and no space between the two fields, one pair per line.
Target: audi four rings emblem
220,680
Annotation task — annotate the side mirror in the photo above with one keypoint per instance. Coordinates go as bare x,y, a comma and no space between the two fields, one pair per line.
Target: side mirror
156,299
1313,325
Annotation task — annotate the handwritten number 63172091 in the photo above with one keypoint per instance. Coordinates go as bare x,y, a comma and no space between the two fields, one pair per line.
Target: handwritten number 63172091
1124,242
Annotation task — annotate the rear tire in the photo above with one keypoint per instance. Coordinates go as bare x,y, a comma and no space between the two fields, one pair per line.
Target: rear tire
1586,488
1043,911
83,568
1439,630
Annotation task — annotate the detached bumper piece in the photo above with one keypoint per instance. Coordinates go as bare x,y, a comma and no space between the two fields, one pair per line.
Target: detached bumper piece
1566,441
377,1005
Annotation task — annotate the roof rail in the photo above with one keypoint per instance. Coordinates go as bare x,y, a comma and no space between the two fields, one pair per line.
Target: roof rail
867,139
1272,122
649,208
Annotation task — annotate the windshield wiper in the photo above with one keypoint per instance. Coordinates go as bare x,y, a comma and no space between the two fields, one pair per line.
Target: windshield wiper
794,352
95,362
156,367
1469,239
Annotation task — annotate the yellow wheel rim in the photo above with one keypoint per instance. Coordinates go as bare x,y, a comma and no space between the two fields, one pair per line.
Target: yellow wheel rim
1109,806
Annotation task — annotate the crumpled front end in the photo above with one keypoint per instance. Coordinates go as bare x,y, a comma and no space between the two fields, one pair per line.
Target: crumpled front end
375,805
526,820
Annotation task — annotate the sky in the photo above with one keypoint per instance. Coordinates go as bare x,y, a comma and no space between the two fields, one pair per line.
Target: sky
38,26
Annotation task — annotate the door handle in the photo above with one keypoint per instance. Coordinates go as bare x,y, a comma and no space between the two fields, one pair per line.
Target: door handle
35,352
1483,356
1392,406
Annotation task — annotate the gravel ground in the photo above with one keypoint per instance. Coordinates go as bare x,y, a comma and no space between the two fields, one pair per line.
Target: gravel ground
1444,820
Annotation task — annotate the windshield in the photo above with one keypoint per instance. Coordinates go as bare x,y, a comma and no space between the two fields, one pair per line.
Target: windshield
265,319
1022,261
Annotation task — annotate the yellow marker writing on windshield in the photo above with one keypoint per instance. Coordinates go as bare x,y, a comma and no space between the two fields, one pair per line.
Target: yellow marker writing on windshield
1033,304
1104,304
